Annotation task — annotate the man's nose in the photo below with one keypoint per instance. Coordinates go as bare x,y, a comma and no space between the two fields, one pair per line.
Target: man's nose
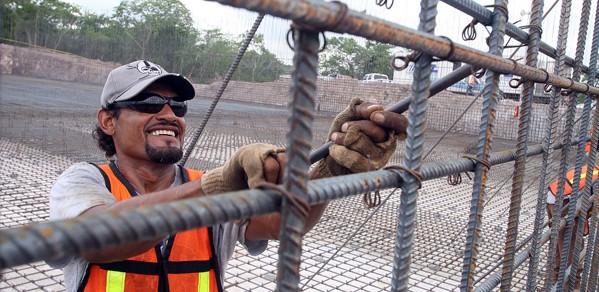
166,113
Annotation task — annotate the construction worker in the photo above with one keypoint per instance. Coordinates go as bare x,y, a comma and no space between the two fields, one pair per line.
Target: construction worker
550,207
141,126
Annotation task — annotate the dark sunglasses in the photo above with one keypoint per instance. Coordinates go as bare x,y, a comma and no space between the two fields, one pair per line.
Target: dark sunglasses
152,103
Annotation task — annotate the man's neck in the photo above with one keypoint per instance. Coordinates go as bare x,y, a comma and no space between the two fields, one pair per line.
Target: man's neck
147,177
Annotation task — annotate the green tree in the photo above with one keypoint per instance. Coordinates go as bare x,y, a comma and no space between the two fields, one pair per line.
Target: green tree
38,23
160,30
347,56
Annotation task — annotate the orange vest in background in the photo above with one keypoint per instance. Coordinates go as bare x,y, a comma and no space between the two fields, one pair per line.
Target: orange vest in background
188,262
570,181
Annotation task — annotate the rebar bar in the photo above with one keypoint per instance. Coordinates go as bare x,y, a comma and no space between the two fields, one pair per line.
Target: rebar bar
522,144
297,159
414,150
246,43
483,149
561,47
591,261
318,14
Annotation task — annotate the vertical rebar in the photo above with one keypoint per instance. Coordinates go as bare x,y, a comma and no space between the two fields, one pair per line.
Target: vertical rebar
491,90
414,149
591,261
561,48
299,139
575,195
521,147
221,89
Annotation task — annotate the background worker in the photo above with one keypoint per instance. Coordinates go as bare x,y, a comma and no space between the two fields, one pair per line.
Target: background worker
141,124
550,207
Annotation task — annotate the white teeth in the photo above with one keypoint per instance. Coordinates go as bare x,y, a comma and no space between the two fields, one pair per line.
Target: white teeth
163,132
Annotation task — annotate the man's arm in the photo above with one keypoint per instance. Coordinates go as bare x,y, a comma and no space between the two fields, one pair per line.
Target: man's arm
117,253
358,129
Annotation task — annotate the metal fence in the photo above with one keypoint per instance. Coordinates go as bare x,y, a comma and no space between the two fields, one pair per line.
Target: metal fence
51,240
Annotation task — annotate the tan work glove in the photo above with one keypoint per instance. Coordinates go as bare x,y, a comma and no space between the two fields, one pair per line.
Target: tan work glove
245,169
359,153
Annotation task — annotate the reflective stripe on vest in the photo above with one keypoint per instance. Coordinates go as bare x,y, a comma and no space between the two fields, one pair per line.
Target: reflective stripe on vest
570,181
115,281
188,262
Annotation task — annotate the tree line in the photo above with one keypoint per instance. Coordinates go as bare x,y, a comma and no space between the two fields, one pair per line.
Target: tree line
163,31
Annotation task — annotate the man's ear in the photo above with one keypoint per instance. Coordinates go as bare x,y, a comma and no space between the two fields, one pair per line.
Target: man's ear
106,121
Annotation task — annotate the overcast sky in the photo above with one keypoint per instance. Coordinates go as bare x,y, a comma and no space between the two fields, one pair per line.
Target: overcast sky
405,12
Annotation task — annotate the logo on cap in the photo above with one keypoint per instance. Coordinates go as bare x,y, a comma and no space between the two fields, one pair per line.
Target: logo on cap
146,67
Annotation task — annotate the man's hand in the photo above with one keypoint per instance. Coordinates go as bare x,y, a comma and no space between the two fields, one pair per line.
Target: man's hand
249,166
364,137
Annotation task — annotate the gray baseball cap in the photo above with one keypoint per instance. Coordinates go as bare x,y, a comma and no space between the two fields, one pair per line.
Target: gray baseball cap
129,80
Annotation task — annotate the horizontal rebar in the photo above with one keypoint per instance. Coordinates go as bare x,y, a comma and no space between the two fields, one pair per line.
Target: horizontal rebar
57,239
321,14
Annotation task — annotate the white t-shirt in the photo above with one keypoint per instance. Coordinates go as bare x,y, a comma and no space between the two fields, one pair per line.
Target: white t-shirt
82,187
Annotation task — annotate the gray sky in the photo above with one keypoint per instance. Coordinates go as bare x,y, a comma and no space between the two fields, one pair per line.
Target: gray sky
405,12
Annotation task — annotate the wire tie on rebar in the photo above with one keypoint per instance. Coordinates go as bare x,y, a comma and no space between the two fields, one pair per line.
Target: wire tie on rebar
568,90
384,3
475,159
588,88
546,76
416,175
412,57
516,82
299,206
329,26
547,88
454,179
531,27
451,51
469,32
501,7
478,73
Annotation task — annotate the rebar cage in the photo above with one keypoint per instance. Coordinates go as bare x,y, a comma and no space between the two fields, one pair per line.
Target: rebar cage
421,238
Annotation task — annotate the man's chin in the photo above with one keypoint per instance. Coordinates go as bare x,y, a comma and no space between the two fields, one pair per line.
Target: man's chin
164,155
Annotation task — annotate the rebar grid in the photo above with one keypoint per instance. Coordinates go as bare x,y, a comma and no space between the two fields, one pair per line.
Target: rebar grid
246,43
575,195
483,16
318,14
298,161
522,144
414,150
240,204
477,203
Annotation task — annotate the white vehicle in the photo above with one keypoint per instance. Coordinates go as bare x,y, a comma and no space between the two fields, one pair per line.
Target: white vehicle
375,77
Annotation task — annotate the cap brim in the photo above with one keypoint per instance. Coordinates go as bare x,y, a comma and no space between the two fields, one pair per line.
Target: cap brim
179,83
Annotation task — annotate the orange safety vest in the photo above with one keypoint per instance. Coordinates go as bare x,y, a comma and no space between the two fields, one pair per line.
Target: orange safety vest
187,264
570,181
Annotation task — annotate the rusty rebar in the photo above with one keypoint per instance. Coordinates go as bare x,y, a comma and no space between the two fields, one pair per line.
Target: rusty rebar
414,149
522,144
483,149
297,159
